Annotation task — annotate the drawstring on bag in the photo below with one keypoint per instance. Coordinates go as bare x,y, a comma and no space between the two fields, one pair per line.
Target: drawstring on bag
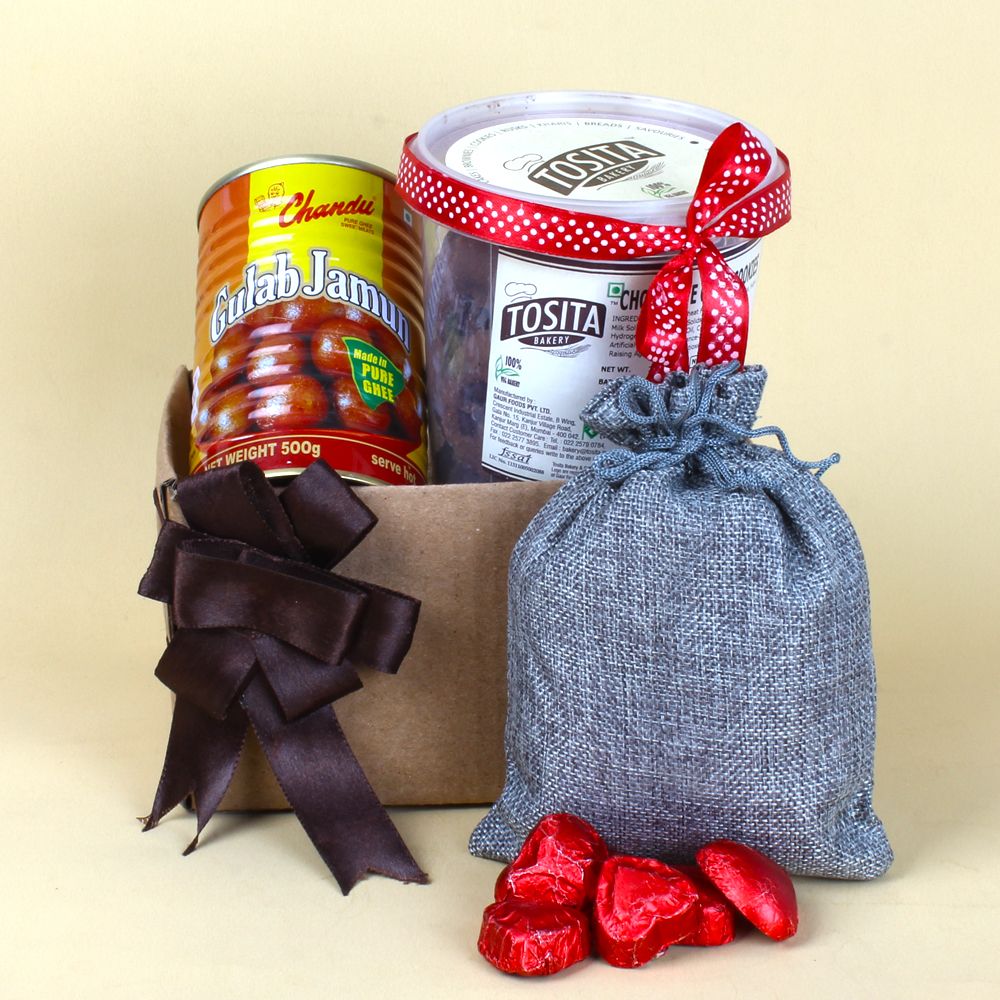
665,441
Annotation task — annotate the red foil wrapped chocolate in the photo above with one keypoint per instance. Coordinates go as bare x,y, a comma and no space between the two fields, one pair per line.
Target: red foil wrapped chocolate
533,939
558,863
758,887
642,907
501,888
717,920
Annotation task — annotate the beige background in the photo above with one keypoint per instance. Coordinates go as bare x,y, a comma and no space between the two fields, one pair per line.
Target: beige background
876,316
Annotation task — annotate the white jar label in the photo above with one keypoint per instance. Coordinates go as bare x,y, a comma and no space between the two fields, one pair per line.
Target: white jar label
560,332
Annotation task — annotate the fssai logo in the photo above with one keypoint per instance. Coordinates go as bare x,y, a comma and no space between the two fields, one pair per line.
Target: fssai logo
555,321
592,166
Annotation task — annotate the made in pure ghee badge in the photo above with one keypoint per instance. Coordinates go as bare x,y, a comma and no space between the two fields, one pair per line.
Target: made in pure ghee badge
309,339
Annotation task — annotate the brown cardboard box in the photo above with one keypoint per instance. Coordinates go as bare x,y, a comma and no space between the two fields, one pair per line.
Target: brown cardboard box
433,733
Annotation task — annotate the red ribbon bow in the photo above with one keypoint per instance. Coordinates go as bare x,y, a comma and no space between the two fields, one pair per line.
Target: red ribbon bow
265,636
736,164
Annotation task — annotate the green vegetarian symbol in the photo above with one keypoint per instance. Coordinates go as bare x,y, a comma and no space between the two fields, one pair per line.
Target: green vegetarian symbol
501,369
589,431
377,378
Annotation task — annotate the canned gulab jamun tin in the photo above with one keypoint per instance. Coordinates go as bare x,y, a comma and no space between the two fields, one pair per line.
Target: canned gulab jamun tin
309,337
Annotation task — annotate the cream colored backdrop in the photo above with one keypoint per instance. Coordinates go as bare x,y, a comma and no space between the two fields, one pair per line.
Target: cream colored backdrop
876,315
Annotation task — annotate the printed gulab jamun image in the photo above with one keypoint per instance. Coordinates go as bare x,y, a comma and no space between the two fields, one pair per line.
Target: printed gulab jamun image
388,343
289,404
329,352
353,413
229,355
301,314
276,356
409,414
223,415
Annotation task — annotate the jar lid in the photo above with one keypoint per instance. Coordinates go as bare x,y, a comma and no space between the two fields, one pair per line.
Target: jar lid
624,156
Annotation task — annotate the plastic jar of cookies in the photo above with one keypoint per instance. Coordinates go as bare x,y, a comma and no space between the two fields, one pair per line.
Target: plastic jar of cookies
520,336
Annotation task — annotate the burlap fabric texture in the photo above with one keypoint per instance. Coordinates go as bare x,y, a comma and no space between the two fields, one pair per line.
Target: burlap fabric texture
689,643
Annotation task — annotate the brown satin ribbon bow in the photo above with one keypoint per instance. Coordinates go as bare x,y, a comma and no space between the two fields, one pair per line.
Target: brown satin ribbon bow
265,636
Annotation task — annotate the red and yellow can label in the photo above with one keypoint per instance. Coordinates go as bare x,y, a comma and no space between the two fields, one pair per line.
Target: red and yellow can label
309,325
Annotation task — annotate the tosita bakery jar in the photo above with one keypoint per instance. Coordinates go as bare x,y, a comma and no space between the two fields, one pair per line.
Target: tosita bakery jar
571,239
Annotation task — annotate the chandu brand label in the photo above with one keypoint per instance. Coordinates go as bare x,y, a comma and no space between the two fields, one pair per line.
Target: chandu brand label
560,332
593,159
300,208
309,338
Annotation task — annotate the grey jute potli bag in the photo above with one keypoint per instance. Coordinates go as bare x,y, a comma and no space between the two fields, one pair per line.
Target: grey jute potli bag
689,643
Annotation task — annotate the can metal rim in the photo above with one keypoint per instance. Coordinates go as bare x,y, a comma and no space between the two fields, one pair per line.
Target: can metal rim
285,161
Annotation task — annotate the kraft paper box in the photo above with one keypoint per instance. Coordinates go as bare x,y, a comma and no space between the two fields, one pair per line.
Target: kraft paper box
433,733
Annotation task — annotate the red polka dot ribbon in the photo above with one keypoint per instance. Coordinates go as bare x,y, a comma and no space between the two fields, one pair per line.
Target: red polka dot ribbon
728,202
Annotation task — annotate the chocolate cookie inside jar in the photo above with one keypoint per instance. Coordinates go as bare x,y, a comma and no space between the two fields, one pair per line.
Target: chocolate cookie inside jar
535,268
